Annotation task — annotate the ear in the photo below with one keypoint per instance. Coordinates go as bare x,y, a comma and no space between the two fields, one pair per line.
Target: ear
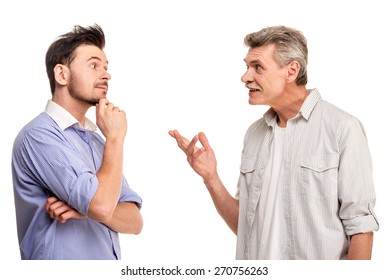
293,70
61,74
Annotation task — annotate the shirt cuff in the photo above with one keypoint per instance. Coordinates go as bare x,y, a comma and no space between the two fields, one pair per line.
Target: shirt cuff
361,224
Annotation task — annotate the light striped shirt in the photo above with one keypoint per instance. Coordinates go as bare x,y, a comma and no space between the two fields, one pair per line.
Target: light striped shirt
55,155
327,191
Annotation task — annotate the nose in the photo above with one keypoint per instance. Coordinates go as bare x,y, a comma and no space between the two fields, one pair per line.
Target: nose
247,77
106,76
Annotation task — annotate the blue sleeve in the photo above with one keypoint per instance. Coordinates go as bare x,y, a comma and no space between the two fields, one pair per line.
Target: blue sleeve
55,165
128,195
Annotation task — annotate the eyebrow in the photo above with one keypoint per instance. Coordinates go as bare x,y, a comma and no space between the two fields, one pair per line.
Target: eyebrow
95,57
253,61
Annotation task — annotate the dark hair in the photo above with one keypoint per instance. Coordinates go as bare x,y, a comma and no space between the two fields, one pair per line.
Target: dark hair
290,45
62,50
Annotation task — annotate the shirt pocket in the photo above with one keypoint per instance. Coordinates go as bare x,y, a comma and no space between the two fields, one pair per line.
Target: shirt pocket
249,178
319,175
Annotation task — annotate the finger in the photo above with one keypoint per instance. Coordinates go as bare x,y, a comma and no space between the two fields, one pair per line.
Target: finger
174,134
103,102
54,208
191,147
171,133
50,201
54,204
182,142
110,107
204,141
66,216
57,213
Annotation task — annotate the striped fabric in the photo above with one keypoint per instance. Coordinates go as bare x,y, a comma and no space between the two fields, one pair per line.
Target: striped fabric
327,191
55,155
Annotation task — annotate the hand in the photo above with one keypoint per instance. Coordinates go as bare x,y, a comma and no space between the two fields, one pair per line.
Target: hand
111,120
60,211
202,160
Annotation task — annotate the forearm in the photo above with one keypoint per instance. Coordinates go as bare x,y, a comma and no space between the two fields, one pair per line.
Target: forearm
361,246
109,176
126,219
226,205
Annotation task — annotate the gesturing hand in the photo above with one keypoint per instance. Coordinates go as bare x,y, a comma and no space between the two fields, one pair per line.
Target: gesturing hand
60,211
111,120
202,160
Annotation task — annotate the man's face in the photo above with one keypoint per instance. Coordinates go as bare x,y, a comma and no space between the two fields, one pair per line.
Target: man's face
264,77
89,77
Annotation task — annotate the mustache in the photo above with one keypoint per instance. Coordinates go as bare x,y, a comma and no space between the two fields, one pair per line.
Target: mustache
103,83
252,85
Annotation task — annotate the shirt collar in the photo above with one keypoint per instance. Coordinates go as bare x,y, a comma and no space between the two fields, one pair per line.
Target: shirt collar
310,103
305,111
64,119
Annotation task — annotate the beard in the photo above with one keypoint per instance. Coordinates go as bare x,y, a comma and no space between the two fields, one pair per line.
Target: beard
75,93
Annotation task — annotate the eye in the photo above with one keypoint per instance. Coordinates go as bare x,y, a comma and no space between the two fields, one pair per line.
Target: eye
93,66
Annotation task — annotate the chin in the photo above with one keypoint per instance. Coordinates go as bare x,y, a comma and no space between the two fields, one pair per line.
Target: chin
93,102
254,102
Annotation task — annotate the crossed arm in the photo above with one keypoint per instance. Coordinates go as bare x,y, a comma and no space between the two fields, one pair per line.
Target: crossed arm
123,217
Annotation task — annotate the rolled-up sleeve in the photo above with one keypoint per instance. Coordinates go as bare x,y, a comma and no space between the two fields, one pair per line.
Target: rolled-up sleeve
129,195
356,190
60,169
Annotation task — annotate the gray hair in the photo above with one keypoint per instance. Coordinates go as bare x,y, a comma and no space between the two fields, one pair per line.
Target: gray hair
290,45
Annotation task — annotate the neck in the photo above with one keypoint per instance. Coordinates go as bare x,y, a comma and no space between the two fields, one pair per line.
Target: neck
76,108
291,103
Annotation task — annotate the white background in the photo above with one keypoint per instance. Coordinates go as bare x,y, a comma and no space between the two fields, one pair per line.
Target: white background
177,65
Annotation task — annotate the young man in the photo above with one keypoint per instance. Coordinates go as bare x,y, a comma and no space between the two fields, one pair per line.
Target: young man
70,195
305,189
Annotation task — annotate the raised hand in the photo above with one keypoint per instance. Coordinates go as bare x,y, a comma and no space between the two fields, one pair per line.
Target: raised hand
111,120
202,160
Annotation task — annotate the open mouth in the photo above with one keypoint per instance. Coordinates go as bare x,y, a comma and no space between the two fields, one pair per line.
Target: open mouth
252,87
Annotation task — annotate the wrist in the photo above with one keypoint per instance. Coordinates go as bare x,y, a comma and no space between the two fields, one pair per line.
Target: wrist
212,181
114,140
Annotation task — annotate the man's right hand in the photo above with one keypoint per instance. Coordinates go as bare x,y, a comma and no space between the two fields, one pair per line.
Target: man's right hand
202,160
111,120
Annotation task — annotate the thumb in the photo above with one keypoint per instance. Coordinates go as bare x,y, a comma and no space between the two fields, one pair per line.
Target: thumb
204,141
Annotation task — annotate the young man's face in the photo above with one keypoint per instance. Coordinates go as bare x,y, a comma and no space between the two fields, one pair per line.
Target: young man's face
264,77
89,77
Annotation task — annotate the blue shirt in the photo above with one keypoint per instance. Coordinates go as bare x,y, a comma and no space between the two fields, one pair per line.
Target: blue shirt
54,155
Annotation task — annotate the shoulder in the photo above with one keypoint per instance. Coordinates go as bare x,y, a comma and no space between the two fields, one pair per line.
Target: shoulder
335,115
256,132
42,121
40,128
343,123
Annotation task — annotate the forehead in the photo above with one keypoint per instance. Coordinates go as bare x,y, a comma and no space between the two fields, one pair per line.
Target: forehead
86,52
264,54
